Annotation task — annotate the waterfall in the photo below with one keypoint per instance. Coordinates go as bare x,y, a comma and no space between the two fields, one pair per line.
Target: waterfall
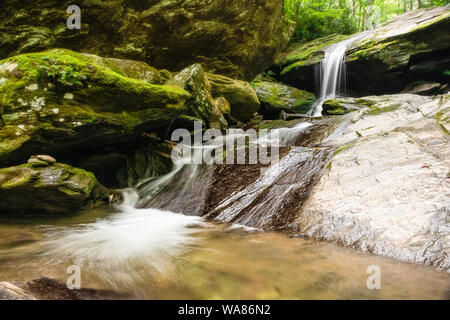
332,74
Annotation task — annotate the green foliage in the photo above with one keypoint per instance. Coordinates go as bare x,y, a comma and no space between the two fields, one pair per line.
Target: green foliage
316,18
63,75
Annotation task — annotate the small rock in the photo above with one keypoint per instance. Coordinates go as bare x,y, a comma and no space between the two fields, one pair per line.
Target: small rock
41,161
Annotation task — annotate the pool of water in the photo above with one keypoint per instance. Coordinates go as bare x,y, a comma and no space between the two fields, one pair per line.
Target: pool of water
151,254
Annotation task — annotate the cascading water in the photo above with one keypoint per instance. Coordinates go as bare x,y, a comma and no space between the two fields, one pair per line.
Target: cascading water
332,73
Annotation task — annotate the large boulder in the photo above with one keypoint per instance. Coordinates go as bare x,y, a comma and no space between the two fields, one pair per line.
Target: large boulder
410,50
385,189
242,98
43,187
201,105
235,38
277,97
59,101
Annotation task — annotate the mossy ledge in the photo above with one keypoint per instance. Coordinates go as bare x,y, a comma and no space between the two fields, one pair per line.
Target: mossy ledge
57,99
51,189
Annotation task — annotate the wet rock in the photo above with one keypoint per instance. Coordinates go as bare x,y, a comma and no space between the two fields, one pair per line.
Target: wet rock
50,289
263,204
77,103
238,39
51,189
343,105
223,105
10,291
277,97
242,98
201,104
426,88
385,189
41,161
143,163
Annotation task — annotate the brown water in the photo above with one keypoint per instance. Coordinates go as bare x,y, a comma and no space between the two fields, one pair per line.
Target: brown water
210,262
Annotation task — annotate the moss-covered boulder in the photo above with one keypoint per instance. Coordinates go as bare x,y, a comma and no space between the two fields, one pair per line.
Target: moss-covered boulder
47,189
414,47
341,106
201,105
242,98
372,105
276,97
59,101
235,38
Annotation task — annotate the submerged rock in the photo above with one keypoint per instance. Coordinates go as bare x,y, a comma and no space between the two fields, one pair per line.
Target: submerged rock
50,289
277,97
412,47
385,189
237,38
242,98
47,189
59,100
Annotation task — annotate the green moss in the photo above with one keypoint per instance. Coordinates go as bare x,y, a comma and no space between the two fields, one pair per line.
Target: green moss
374,110
308,53
103,103
15,177
71,71
275,124
342,148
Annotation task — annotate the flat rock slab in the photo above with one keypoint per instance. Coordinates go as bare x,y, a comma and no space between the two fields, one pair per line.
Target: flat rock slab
386,189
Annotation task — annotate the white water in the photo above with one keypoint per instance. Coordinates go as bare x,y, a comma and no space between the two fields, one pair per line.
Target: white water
333,72
127,247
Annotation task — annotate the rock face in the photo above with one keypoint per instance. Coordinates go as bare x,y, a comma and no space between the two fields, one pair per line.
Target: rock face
386,187
242,98
36,188
59,101
276,97
235,38
413,48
